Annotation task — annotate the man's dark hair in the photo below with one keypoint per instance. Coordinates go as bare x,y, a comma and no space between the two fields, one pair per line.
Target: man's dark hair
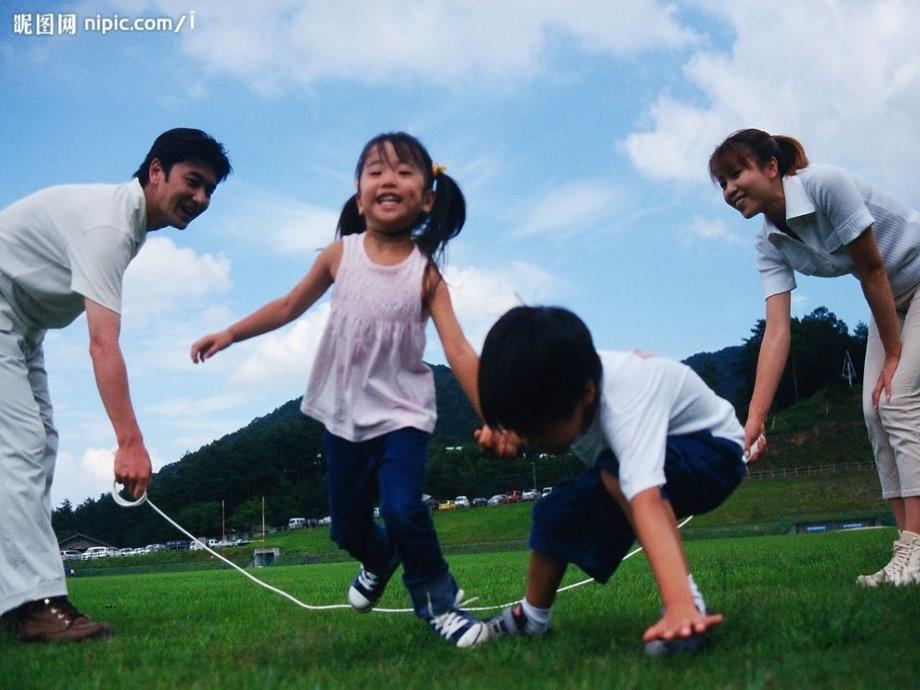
183,145
535,366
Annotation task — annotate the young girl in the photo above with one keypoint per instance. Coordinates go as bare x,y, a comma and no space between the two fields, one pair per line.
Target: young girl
369,385
823,220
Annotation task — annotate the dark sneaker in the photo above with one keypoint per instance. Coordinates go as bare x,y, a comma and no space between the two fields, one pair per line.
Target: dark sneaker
513,621
683,645
56,620
460,628
368,586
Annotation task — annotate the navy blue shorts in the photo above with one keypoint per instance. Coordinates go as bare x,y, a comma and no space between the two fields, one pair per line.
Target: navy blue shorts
580,522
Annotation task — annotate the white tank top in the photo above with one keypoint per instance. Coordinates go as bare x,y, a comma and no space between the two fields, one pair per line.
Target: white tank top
369,378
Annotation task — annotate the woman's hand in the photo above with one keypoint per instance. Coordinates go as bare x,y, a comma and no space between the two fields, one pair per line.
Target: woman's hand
884,380
755,439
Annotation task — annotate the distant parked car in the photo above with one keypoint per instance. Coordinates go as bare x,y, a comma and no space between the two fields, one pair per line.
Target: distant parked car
461,502
479,501
530,495
176,545
498,499
71,555
513,496
127,551
446,505
546,490
154,548
297,523
94,552
324,521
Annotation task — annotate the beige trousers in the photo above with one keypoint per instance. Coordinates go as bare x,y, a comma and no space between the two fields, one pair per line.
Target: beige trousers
30,562
894,428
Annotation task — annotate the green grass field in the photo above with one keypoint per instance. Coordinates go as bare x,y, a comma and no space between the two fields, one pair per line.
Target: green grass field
794,619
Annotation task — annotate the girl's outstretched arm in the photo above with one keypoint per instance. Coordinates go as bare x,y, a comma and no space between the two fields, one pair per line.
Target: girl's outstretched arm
464,362
278,312
461,357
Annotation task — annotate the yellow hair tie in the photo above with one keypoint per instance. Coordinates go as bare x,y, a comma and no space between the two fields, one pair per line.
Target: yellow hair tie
437,169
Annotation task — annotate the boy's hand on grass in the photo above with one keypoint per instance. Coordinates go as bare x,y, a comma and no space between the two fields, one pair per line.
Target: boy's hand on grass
681,622
503,443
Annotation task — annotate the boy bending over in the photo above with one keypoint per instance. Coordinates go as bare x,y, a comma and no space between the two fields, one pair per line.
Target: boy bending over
659,445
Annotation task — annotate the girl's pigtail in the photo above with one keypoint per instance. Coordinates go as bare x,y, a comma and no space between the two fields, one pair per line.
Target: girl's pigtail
446,218
350,221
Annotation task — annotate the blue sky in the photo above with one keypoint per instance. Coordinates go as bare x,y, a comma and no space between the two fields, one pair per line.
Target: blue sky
579,132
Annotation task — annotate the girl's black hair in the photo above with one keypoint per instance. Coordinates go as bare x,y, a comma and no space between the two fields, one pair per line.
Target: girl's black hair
534,369
433,230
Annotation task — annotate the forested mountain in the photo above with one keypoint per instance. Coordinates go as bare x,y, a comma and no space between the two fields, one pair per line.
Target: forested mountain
279,457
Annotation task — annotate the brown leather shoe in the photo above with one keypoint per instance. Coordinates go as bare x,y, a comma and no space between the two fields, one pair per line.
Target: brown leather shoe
56,620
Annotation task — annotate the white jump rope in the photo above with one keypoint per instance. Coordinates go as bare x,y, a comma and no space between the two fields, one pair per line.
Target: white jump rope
124,503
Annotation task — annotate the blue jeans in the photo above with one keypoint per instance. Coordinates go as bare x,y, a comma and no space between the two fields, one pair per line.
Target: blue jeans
391,467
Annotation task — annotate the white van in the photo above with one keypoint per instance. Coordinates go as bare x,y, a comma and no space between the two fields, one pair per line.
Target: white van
297,523
94,552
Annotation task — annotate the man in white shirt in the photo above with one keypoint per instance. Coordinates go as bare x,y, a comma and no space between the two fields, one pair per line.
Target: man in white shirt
63,251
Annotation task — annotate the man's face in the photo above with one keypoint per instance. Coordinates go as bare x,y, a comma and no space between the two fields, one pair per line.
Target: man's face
180,197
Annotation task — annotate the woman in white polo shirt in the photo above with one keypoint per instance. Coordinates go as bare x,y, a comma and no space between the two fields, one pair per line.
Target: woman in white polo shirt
822,220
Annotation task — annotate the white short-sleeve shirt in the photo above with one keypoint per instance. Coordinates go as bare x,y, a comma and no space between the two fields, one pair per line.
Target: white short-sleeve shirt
829,207
643,400
63,244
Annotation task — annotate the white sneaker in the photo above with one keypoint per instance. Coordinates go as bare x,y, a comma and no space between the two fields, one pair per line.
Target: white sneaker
460,628
910,573
368,586
892,570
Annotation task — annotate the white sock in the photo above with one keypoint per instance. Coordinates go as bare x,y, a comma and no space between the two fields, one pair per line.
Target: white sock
537,619
697,596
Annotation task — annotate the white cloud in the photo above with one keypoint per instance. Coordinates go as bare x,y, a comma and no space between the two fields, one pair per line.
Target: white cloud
192,407
715,230
276,42
480,296
843,77
284,356
280,224
568,208
164,275
89,476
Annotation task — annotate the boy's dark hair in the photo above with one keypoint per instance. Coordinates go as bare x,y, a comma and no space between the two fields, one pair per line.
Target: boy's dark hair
535,365
183,145
433,230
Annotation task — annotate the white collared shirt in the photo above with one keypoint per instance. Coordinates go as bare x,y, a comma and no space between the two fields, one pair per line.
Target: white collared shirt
829,207
643,400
